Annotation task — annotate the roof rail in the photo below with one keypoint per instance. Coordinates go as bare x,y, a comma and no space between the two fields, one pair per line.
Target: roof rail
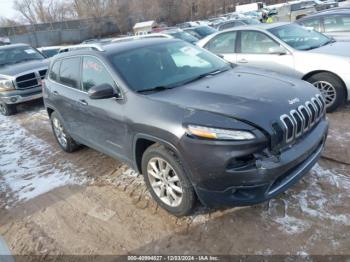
96,47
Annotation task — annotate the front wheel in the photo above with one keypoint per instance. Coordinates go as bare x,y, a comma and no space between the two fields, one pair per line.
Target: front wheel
7,110
167,181
332,89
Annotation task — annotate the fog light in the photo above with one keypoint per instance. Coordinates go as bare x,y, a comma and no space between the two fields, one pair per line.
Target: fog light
13,99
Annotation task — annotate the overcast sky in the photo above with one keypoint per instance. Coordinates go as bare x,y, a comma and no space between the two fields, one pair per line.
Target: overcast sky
6,9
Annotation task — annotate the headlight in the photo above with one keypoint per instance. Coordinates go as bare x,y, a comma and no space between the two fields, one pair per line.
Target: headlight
6,84
219,134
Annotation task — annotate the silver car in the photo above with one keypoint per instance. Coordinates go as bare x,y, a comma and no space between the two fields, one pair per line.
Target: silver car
292,50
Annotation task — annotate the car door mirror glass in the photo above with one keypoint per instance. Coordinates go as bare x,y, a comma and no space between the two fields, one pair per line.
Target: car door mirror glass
102,91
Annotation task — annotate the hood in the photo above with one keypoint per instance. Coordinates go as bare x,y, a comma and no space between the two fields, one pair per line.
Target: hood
336,48
28,66
253,96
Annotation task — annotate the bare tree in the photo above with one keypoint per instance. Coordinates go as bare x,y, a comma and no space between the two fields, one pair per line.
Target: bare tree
43,11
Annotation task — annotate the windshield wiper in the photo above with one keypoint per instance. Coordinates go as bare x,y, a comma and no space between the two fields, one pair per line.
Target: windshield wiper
25,60
154,89
212,73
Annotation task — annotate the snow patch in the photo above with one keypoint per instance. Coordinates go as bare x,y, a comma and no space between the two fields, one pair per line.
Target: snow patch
24,165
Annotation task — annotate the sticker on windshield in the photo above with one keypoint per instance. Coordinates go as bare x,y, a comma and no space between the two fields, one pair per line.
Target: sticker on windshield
190,50
29,51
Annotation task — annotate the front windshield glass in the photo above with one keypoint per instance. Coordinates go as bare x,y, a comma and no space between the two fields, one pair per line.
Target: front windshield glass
165,65
50,52
16,55
184,36
299,37
205,30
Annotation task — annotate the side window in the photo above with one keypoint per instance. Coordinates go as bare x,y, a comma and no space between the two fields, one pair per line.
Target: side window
337,23
69,72
94,73
253,42
315,24
55,69
223,43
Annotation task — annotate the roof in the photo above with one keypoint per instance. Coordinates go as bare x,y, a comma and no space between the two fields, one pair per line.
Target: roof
144,24
262,26
13,45
328,12
120,47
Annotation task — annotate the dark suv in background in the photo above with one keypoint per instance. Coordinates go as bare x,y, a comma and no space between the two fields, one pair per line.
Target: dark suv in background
22,69
191,123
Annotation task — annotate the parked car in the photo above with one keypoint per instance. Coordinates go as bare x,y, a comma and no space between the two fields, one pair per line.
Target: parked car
333,23
191,123
324,5
292,11
292,50
237,22
200,32
181,34
22,69
49,51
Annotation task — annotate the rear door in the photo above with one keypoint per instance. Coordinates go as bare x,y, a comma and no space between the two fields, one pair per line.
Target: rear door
67,95
224,45
257,49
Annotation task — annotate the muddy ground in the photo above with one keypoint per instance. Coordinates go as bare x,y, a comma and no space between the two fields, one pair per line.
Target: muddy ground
87,203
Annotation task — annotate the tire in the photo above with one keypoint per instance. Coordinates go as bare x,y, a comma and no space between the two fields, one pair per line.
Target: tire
184,204
7,110
69,145
330,82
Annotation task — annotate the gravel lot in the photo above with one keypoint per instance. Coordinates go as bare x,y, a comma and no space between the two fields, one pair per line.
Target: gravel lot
87,203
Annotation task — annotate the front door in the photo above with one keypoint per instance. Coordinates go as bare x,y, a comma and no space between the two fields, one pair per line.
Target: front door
105,127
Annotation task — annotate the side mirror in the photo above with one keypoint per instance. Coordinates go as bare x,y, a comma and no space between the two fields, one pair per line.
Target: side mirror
279,50
103,91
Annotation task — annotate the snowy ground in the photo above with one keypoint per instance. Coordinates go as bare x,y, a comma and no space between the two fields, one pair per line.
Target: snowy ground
87,203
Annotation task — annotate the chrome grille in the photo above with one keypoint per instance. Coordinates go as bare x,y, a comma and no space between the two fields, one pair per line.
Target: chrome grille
302,119
30,80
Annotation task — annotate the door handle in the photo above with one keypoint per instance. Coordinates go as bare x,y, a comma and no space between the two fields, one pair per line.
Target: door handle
243,61
83,102
55,93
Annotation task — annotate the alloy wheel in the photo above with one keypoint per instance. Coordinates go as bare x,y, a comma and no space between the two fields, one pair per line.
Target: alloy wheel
59,131
164,181
328,91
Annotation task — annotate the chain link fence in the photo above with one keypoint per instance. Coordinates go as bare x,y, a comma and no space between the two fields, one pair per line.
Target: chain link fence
59,33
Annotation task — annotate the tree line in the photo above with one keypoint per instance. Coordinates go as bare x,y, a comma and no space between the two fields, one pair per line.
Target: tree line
127,12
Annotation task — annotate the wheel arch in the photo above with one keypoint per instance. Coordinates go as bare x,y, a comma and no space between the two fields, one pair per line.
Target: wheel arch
308,75
142,142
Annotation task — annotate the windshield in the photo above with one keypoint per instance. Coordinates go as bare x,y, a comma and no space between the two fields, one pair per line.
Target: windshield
299,37
251,21
50,52
16,55
165,65
183,36
205,30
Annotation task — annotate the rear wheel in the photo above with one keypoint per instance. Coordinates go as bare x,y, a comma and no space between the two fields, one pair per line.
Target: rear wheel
65,141
331,87
7,110
167,181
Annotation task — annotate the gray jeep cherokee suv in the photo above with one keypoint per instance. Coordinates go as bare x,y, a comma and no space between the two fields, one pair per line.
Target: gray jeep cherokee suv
22,69
191,123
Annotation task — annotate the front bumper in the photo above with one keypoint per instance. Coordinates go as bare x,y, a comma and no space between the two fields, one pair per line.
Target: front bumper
262,179
21,96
